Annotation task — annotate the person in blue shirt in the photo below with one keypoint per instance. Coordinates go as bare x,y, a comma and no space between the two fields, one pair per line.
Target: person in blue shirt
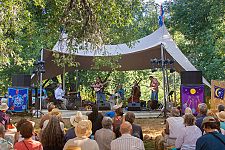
212,140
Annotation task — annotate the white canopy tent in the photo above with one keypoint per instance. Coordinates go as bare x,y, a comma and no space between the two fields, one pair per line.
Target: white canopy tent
136,57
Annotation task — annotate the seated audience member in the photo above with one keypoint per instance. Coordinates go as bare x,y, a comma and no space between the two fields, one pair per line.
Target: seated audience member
27,130
96,118
126,141
70,134
50,107
202,114
136,129
188,111
221,117
4,118
188,135
4,144
52,136
118,120
173,126
55,112
105,135
212,140
18,136
82,131
221,107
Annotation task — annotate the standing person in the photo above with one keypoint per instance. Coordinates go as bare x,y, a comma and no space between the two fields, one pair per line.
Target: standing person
53,137
105,135
99,89
59,93
4,118
154,86
126,141
202,114
27,130
212,140
120,91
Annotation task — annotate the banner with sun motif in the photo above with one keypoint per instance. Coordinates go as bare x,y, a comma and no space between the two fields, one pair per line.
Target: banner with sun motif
191,96
219,92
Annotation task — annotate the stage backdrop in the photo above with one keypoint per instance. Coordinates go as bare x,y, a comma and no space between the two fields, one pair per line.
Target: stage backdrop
191,96
18,99
217,94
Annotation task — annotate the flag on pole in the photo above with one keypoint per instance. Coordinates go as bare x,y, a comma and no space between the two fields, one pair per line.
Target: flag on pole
161,17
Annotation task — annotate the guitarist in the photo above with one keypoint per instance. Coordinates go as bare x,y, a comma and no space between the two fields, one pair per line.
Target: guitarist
154,86
98,87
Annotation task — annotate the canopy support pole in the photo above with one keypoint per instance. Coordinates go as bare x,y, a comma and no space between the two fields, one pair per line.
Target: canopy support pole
41,78
164,80
63,78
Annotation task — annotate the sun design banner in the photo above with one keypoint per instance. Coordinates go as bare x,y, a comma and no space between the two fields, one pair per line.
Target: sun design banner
191,96
219,92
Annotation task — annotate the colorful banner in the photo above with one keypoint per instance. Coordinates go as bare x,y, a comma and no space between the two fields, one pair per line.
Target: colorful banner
219,92
191,96
18,99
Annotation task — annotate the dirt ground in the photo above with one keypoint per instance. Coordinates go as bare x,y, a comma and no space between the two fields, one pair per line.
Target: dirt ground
151,128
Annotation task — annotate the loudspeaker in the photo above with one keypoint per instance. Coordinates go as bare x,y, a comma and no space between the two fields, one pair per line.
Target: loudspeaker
104,106
143,104
21,80
191,77
134,106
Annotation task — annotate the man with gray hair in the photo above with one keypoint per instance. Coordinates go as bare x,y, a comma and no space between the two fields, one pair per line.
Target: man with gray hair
202,114
4,144
105,135
127,141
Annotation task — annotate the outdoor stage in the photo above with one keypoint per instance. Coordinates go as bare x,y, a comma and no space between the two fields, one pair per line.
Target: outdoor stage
138,114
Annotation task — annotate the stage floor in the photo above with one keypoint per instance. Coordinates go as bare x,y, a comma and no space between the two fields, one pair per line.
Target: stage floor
138,114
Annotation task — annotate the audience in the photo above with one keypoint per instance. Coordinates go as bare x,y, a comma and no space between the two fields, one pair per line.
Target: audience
173,126
83,131
96,118
126,141
221,107
105,135
50,107
53,136
221,117
27,130
4,118
189,134
202,114
54,112
70,134
118,120
212,140
4,144
136,129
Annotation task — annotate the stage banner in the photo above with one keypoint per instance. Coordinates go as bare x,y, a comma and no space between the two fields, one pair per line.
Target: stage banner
191,96
18,99
217,94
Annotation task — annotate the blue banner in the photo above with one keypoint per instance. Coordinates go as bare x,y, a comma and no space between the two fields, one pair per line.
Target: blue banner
219,92
18,99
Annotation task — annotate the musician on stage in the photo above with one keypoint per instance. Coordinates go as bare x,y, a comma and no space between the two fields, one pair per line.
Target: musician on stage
99,89
154,88
120,91
135,93
59,94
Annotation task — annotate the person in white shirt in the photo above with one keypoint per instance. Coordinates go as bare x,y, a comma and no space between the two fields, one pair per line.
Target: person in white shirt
127,141
188,135
59,93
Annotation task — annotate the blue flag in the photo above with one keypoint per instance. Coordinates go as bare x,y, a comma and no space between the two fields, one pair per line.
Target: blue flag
161,17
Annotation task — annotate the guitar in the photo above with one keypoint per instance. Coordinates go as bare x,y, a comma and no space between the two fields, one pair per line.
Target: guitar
151,88
98,87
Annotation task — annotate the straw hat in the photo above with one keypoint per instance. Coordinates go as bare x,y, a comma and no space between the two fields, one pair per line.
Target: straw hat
4,106
221,115
208,119
55,112
76,118
83,129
